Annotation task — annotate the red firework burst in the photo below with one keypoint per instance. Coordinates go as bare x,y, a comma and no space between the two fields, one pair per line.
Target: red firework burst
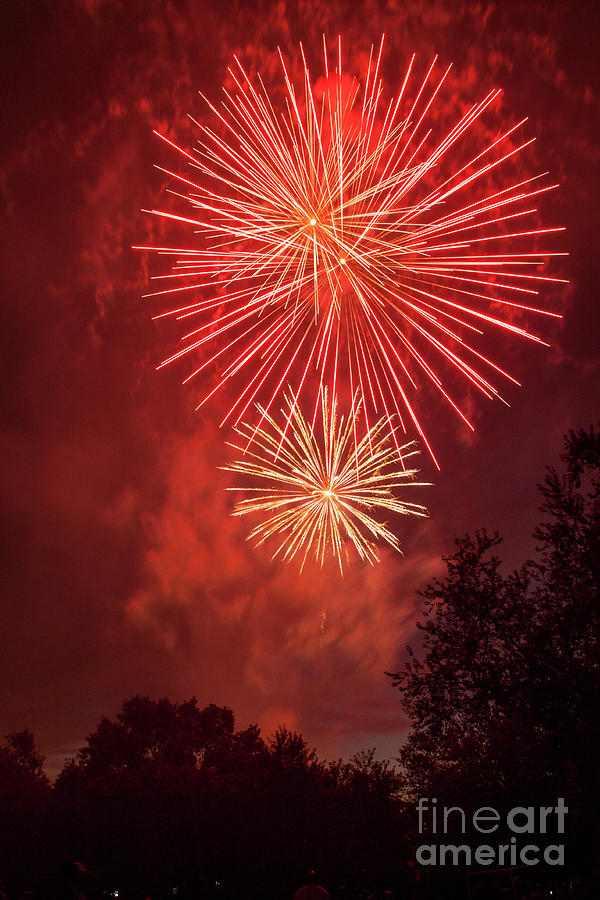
335,250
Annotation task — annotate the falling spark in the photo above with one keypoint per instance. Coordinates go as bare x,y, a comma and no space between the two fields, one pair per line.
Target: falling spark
322,628
334,248
321,493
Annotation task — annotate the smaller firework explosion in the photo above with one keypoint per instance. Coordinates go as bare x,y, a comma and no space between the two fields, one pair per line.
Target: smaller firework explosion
320,491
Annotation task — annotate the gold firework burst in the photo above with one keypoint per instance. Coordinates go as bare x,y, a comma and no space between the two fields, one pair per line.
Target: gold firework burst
322,491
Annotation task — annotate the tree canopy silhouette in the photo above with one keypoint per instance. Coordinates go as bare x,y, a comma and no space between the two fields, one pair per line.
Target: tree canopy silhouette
170,793
503,695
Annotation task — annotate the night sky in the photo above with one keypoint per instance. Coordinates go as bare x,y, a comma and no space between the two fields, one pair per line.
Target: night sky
122,570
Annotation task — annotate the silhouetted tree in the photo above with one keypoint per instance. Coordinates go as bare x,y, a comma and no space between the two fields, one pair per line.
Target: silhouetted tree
153,787
167,793
25,796
503,696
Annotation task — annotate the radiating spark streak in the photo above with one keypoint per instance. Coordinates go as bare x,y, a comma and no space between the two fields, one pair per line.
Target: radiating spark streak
319,489
331,254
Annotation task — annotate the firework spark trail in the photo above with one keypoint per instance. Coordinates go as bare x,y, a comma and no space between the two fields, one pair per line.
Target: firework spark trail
319,490
328,258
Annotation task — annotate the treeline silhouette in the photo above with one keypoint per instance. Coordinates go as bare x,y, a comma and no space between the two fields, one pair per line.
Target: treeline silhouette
502,694
169,794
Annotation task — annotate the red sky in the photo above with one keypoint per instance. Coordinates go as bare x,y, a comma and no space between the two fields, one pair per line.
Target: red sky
123,571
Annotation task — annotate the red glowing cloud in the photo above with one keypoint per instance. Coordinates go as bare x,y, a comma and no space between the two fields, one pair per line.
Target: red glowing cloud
123,569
